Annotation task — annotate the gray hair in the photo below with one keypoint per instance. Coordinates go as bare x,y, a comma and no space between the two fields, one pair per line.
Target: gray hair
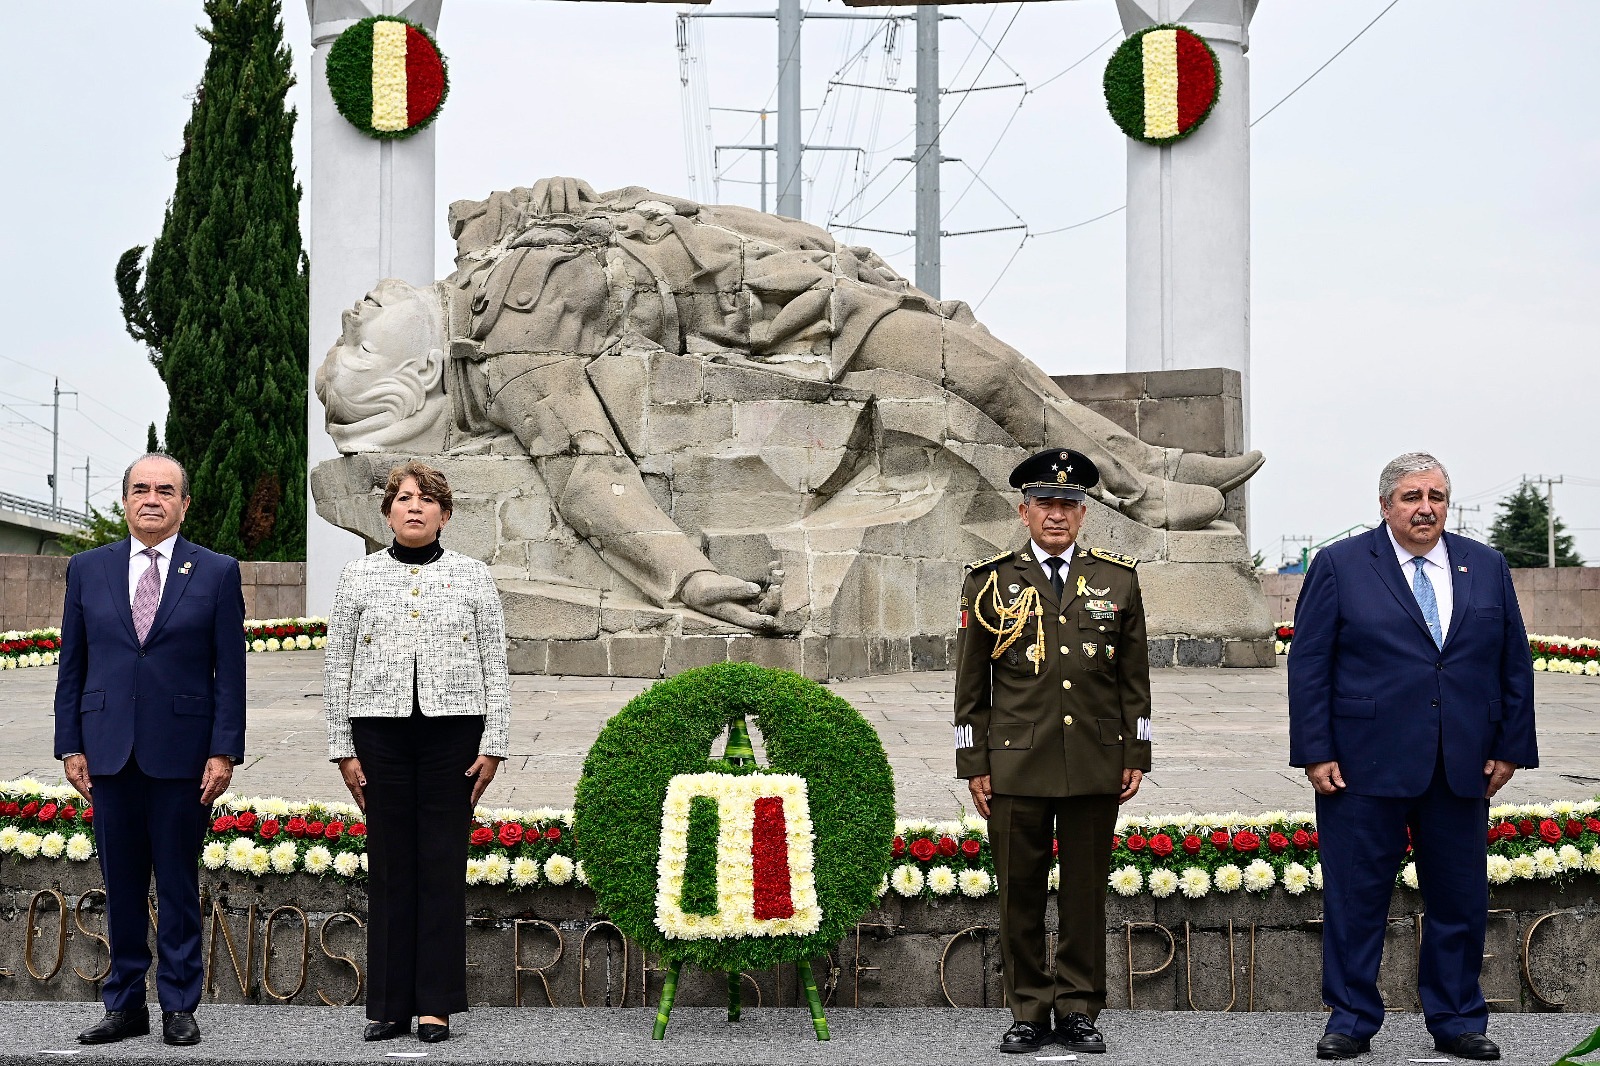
1409,463
127,475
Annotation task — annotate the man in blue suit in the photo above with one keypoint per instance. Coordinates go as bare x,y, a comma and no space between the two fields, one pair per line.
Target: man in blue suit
149,722
1410,704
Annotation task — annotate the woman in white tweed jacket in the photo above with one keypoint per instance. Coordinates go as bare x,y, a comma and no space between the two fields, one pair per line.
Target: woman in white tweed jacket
418,706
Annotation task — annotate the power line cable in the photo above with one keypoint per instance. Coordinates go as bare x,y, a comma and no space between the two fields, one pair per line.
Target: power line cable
1324,66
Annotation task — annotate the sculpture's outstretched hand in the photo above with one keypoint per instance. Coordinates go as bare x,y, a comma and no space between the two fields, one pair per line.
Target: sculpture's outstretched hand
724,597
562,196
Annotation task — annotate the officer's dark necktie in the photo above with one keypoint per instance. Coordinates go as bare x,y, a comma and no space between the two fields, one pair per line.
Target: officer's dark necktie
1054,563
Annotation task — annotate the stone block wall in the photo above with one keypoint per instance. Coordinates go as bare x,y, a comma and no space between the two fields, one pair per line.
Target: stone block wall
1563,602
33,586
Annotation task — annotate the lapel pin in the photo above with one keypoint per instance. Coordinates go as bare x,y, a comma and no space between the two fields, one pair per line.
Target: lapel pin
184,569
1462,569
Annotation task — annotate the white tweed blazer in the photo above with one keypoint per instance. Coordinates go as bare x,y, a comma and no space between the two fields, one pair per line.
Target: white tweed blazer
445,617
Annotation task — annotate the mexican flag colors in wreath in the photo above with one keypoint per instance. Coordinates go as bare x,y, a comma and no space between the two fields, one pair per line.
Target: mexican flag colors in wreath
387,76
1161,83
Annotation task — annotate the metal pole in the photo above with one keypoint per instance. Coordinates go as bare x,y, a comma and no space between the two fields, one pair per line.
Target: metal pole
928,155
789,18
86,486
763,164
1550,519
55,451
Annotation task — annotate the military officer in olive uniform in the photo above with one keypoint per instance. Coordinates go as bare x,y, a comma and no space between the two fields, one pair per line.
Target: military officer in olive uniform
1052,733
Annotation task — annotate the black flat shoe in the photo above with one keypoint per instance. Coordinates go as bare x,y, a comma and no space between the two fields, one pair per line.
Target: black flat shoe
117,1025
1076,1032
1469,1046
1341,1046
179,1028
385,1030
433,1032
1024,1036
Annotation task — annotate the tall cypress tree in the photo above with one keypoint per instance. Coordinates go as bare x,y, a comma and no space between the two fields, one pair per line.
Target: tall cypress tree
1521,531
223,301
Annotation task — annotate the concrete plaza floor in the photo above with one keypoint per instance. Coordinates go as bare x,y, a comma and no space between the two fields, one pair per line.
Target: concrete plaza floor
1221,737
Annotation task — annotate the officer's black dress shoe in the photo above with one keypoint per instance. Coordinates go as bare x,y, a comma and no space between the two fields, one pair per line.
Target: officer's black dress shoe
117,1025
1469,1046
385,1030
433,1032
1341,1046
1024,1036
1076,1032
178,1028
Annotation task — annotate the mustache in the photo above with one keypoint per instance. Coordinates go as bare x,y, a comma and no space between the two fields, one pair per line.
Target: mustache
1424,520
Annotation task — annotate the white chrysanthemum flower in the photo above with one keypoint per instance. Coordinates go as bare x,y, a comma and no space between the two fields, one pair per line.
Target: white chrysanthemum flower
80,848
971,823
1296,879
260,860
302,642
496,868
1591,860
317,859
524,871
941,880
883,886
1259,876
35,659
1163,883
1194,883
1228,878
274,807
975,882
1563,808
284,856
1316,877
1408,875
1523,867
346,864
1499,869
474,871
319,643
363,862
1126,881
1570,857
214,854
906,880
1053,882
258,645
239,854
580,873
558,869
273,644
51,845
1545,863
8,839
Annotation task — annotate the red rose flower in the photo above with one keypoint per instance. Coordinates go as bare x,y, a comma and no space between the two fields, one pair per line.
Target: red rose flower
333,830
1055,846
1526,827
1192,844
30,808
88,815
1549,831
1593,824
1507,831
1219,839
315,827
47,812
1136,842
1574,828
269,828
356,829
510,834
1244,840
1302,839
899,848
246,821
1116,842
553,833
947,846
922,849
1161,845
9,808
67,812
297,827
223,823
482,835
971,848
1277,841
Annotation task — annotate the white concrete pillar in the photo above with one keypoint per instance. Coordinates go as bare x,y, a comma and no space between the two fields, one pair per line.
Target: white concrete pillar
1189,211
369,211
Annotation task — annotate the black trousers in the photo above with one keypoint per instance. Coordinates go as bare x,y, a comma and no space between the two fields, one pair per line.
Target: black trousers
1021,829
419,809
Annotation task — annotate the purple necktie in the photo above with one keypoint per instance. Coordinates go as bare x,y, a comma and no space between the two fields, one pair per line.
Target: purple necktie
147,597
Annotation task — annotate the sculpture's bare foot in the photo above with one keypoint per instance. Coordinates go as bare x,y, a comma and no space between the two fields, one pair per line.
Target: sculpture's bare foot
1175,505
1222,474
724,597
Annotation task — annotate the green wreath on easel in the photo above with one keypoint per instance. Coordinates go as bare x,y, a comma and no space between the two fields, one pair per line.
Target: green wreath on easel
723,864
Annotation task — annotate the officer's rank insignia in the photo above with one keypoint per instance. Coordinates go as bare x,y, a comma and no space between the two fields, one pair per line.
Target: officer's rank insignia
1111,653
1114,557
1035,653
1088,649
1085,590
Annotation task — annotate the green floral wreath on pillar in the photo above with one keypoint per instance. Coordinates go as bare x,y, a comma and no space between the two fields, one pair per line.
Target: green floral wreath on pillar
1161,84
651,775
387,77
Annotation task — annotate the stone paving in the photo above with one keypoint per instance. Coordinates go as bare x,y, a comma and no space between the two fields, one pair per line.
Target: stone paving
1221,737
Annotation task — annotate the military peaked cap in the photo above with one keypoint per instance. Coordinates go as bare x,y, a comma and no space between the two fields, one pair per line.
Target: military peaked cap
1059,473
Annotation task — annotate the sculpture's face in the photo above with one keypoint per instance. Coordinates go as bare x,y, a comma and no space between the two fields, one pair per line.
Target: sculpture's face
383,382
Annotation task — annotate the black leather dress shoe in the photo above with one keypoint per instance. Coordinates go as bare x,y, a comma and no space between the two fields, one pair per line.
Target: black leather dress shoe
178,1028
433,1032
1469,1046
117,1025
1341,1046
1024,1036
1076,1032
385,1030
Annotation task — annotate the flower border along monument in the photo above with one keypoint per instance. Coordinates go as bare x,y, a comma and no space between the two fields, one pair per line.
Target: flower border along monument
722,864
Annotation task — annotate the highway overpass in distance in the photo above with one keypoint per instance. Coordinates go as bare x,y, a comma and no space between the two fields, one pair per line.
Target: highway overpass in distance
28,527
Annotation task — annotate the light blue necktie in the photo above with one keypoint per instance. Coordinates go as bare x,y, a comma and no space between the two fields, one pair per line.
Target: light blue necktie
1423,588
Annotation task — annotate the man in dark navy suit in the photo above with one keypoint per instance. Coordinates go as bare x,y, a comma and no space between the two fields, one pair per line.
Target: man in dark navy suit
1410,704
149,722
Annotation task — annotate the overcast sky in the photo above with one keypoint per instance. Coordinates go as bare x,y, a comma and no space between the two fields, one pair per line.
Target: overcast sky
1425,217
